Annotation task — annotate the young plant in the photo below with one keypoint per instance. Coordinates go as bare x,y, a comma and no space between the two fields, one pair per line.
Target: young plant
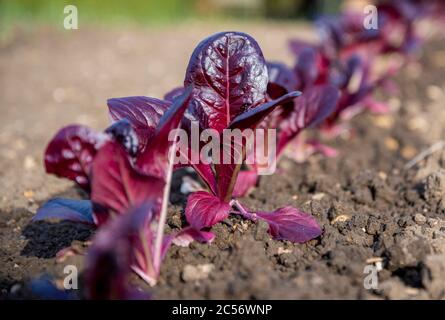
229,77
121,185
353,75
317,102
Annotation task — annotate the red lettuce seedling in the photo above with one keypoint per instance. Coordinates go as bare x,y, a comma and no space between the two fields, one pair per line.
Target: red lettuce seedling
351,74
229,77
118,186
314,106
72,150
357,88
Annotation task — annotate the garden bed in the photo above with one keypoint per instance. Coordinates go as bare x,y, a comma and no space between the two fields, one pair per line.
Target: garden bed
371,208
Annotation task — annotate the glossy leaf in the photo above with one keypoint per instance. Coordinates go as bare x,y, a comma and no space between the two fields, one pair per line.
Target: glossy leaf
250,119
204,210
71,152
153,160
291,224
173,94
282,80
143,113
229,75
117,185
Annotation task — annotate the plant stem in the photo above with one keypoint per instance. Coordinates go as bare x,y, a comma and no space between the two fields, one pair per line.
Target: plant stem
163,214
242,211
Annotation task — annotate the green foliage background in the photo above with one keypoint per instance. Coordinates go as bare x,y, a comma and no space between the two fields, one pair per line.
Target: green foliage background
97,11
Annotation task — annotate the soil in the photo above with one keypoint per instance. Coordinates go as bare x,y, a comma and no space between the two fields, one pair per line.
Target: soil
373,210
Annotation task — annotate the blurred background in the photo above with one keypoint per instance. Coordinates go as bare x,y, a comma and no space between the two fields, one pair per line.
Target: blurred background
165,11
51,76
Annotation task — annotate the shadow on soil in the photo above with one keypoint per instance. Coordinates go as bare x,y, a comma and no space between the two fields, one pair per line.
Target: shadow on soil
46,238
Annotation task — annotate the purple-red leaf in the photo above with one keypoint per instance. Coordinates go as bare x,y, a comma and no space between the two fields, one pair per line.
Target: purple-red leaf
229,75
204,210
207,175
144,114
71,151
124,243
253,117
226,170
297,46
189,234
311,108
281,80
66,209
226,173
245,182
116,185
123,132
154,158
307,66
173,94
291,224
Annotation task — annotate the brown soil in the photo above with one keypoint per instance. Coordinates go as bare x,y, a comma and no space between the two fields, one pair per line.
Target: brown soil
368,204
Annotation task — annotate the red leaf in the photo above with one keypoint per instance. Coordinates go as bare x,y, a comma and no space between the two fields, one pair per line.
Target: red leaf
173,94
296,46
229,75
307,67
291,224
124,243
71,151
253,117
313,107
144,114
153,159
245,182
123,132
116,185
226,173
189,234
204,210
281,80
